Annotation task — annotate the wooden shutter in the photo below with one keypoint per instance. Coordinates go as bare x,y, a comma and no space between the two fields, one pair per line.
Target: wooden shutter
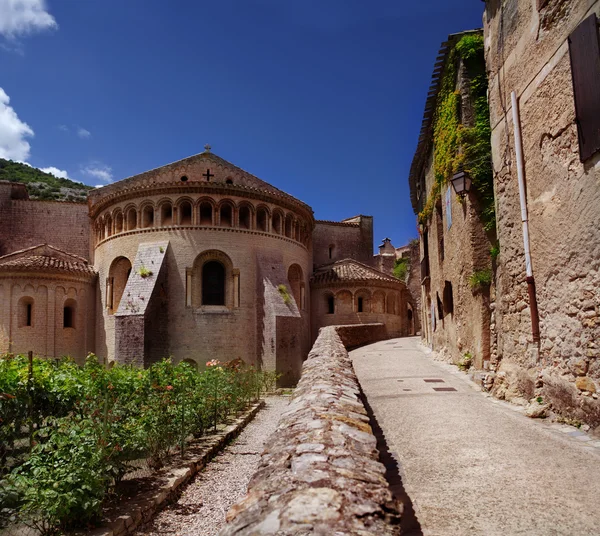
584,49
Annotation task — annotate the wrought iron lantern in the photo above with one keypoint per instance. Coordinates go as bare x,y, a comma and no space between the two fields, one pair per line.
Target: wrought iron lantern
461,182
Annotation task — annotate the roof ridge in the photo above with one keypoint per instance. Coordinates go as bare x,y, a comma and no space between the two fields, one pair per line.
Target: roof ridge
31,249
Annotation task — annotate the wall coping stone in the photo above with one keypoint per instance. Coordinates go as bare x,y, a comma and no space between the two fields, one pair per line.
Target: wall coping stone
320,473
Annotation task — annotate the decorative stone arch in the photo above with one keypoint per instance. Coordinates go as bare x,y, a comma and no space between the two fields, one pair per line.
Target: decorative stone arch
362,301
108,224
277,222
378,302
289,224
118,274
205,273
390,301
185,211
25,311
263,218
147,214
206,211
165,212
245,212
226,213
118,220
329,305
296,280
130,217
100,228
70,313
343,301
296,230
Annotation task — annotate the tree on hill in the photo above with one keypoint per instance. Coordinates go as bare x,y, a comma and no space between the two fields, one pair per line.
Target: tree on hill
42,185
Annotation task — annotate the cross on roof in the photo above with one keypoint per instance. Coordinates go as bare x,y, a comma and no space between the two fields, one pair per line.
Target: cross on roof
207,147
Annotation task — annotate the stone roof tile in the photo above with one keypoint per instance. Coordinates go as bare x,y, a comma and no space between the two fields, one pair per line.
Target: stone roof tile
349,270
45,258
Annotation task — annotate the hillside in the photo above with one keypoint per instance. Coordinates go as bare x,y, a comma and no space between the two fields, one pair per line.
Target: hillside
42,185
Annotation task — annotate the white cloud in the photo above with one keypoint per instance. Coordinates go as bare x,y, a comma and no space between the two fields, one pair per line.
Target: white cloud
64,128
60,173
13,131
83,133
99,171
22,17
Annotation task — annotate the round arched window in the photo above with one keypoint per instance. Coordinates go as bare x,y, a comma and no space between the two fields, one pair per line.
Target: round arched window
213,283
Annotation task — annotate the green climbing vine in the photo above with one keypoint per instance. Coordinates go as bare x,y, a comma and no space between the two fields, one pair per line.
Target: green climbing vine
456,145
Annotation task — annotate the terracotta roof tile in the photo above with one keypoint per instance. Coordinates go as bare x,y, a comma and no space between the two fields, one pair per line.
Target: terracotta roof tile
45,258
349,270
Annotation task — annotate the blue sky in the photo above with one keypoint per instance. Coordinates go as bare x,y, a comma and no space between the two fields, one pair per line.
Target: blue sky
322,99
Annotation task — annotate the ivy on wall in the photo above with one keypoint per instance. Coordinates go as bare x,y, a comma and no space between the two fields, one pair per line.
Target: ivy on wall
456,145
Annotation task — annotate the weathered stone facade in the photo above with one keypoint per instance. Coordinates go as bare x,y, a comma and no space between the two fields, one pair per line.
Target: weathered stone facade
320,473
453,243
527,51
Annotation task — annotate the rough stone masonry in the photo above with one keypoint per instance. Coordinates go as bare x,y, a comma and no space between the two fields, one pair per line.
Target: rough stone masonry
320,473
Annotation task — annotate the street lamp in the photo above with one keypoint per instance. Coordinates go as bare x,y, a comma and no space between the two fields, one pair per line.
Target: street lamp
461,182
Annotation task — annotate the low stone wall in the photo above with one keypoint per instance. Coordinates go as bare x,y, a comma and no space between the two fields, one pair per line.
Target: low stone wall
320,472
354,335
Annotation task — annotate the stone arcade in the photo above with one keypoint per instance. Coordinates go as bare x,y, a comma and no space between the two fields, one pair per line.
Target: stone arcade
197,259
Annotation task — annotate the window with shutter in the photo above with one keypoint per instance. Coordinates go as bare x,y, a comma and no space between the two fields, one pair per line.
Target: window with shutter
584,50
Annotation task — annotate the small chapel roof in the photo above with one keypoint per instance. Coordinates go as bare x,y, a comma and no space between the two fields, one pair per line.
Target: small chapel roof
350,271
45,258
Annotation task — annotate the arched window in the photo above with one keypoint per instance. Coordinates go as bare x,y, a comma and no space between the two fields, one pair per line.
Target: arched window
206,213
119,222
118,275
330,251
245,217
330,304
185,213
226,214
131,219
261,219
166,214
277,222
25,308
69,310
213,283
289,221
148,216
109,227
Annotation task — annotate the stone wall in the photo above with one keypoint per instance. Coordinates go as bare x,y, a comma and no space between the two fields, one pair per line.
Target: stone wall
354,336
27,223
527,51
349,239
320,472
47,336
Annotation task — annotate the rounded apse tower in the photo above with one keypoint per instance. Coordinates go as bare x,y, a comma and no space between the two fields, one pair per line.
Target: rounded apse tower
201,260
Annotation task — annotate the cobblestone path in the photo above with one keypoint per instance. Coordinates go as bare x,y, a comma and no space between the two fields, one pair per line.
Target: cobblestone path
201,509
471,464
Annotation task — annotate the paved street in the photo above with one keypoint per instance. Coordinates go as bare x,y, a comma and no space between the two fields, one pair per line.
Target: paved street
472,464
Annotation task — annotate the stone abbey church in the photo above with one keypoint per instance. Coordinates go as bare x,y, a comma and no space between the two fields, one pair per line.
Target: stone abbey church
197,259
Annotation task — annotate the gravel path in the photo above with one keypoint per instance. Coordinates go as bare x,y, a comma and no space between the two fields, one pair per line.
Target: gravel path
202,506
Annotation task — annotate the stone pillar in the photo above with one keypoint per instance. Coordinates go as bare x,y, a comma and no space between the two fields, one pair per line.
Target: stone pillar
236,287
188,287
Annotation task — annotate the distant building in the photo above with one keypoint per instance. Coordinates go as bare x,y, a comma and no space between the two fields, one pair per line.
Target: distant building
197,259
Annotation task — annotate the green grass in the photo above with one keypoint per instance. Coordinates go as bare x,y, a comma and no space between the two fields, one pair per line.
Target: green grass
41,185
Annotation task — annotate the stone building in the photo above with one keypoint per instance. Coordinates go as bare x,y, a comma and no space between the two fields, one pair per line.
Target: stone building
547,53
197,259
454,243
